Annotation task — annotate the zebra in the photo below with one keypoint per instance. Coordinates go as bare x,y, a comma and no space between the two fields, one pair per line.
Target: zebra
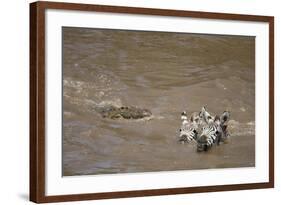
189,128
212,130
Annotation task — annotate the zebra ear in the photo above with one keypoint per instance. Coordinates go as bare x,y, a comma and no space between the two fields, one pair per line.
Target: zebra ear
194,118
205,115
224,117
184,116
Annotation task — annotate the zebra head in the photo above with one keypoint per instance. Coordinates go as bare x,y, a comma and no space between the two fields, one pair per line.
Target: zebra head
212,129
188,130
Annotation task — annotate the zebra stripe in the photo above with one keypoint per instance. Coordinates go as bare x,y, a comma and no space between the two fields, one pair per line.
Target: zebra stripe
188,133
208,137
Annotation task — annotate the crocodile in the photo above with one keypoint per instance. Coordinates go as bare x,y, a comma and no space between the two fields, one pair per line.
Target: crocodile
125,112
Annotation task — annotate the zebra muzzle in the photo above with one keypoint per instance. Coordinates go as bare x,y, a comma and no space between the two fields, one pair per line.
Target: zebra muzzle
203,143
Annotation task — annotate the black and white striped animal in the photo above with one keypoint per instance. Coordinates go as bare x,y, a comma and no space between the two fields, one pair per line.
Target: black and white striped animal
189,127
212,130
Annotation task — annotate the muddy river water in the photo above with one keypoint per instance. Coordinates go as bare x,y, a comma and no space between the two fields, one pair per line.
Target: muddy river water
165,73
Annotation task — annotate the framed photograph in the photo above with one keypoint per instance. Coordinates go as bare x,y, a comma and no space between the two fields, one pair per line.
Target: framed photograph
128,102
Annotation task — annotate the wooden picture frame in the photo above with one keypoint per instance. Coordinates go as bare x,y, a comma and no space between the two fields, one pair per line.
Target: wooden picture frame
38,113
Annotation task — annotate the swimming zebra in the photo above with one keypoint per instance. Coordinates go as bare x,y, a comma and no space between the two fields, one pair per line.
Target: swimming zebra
212,130
189,128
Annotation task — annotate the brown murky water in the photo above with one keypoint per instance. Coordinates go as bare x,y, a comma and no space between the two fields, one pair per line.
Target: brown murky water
166,73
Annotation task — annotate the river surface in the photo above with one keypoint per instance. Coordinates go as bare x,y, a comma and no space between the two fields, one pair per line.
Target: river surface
165,73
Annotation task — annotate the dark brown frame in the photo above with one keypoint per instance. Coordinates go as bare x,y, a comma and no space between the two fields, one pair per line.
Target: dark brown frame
37,101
